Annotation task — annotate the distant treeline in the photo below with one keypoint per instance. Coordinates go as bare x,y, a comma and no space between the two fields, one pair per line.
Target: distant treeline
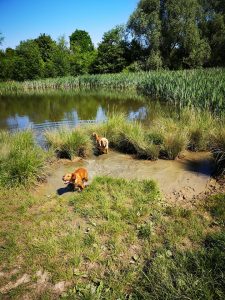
169,34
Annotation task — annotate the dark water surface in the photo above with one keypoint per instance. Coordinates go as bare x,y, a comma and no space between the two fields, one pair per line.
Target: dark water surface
52,110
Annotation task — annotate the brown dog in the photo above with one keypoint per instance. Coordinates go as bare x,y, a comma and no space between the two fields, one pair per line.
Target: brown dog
101,142
76,178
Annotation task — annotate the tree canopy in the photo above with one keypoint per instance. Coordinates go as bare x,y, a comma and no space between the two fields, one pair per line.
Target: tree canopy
171,34
111,52
81,39
83,52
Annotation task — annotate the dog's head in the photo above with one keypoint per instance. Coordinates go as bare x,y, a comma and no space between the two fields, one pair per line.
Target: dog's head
69,178
94,134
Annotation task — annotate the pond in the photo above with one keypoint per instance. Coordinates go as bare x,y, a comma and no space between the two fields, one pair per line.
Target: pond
51,110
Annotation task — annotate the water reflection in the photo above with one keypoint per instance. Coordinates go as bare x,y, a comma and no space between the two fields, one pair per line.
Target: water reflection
51,110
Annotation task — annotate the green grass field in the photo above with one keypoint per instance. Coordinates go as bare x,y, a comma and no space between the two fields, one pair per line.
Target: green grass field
116,240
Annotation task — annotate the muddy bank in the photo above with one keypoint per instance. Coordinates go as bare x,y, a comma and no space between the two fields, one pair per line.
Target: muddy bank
183,178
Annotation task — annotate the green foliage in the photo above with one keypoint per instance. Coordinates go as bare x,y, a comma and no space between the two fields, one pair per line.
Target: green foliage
82,40
60,58
164,34
46,46
83,53
178,34
28,63
154,61
82,62
145,24
21,161
111,52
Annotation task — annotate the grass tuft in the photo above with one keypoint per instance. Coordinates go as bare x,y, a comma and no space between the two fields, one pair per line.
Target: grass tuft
68,143
21,161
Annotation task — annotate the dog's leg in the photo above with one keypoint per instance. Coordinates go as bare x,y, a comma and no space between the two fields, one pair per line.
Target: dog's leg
81,186
107,146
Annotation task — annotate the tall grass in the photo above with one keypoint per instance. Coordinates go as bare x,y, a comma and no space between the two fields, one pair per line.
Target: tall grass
218,147
203,88
68,143
164,138
21,160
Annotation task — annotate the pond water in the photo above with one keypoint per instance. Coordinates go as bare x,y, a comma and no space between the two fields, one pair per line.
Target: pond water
50,110
179,179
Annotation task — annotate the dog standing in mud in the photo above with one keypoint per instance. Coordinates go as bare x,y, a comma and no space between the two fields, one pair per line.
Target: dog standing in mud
102,143
77,178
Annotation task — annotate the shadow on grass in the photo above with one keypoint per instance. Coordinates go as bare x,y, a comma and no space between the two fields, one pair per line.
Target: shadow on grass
66,189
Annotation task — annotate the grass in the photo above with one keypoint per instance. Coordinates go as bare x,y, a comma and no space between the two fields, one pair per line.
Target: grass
186,275
21,160
116,239
166,137
202,88
68,143
218,147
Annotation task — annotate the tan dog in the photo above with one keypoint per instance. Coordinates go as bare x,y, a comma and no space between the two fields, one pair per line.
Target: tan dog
101,142
76,178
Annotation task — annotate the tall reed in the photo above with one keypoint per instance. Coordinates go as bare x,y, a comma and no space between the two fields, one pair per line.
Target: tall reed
204,88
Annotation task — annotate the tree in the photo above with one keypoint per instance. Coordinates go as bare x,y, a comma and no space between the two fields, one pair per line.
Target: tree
28,63
111,52
81,62
213,27
61,58
145,25
184,44
81,39
7,63
169,31
83,52
47,46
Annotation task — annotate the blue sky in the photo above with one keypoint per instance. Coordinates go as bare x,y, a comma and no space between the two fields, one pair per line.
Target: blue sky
26,19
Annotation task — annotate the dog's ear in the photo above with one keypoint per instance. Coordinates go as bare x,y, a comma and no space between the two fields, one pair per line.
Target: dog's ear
73,177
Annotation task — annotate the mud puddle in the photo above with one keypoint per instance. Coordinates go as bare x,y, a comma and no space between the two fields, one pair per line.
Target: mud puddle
183,178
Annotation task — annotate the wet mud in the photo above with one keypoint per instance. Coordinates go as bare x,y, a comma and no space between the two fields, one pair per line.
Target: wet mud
184,177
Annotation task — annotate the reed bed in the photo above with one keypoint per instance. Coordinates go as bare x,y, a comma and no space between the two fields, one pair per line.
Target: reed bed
204,88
